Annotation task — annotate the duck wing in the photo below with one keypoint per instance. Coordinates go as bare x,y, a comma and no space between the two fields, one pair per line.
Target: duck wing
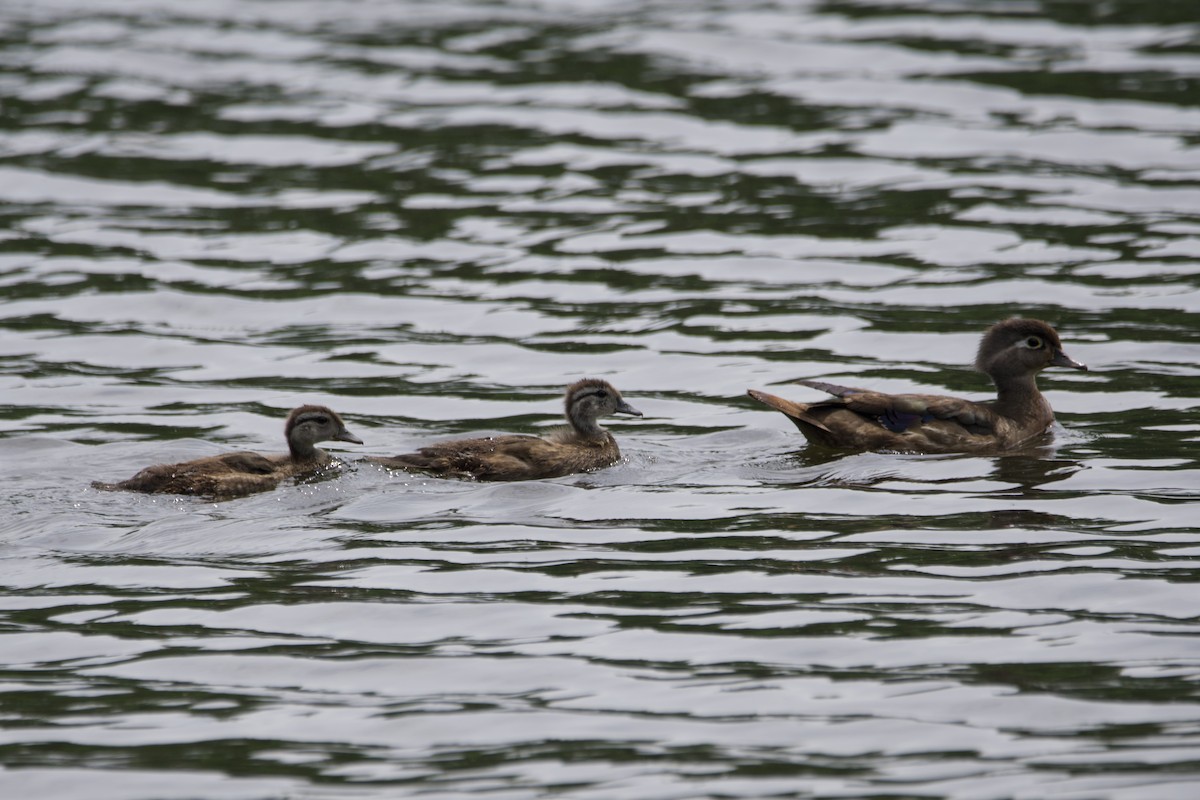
489,459
205,477
508,458
900,412
247,463
232,485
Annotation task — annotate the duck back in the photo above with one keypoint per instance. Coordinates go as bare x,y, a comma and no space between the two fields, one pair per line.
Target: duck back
510,458
218,477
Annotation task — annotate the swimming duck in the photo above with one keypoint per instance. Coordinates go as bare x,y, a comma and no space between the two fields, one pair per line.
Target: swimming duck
233,475
1012,353
581,446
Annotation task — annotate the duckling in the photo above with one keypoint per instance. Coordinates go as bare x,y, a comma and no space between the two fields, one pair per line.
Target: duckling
1011,353
581,446
233,475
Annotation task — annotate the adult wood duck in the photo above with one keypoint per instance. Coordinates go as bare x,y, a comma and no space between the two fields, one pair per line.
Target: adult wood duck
1012,353
581,446
238,474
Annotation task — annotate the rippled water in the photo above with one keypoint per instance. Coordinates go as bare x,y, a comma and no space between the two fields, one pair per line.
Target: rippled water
432,217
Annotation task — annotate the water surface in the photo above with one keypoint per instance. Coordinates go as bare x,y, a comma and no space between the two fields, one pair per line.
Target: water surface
432,217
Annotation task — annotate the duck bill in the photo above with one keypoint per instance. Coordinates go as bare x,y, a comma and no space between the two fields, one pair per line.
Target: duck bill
346,436
625,408
1061,359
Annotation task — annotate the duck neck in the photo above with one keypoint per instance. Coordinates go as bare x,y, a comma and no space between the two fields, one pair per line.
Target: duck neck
1017,397
586,426
303,450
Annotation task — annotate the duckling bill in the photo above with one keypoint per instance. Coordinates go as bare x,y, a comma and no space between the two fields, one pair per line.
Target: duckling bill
233,475
581,446
1011,353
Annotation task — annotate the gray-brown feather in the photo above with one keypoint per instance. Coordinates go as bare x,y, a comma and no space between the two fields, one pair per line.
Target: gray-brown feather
218,477
1011,352
581,446
231,475
509,458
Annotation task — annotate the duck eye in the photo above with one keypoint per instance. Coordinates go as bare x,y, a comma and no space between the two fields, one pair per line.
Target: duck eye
601,394
1033,343
321,420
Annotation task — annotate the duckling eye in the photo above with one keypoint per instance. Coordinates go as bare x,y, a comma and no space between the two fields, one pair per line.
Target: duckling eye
601,394
1033,342
321,420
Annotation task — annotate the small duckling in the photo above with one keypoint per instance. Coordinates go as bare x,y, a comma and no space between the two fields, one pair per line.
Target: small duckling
1012,353
582,446
233,475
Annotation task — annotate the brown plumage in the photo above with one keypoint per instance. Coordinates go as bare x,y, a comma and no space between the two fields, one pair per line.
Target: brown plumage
582,446
1012,353
238,474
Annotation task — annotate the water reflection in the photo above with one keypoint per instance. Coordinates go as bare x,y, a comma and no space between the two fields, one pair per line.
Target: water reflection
1031,473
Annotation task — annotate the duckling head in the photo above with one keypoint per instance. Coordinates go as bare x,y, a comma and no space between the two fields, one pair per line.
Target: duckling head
308,425
1021,348
591,398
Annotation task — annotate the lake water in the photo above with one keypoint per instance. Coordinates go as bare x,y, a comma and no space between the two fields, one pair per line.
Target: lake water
432,217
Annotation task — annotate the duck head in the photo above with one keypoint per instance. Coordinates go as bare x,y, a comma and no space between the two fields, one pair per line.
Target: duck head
591,398
1021,348
308,425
